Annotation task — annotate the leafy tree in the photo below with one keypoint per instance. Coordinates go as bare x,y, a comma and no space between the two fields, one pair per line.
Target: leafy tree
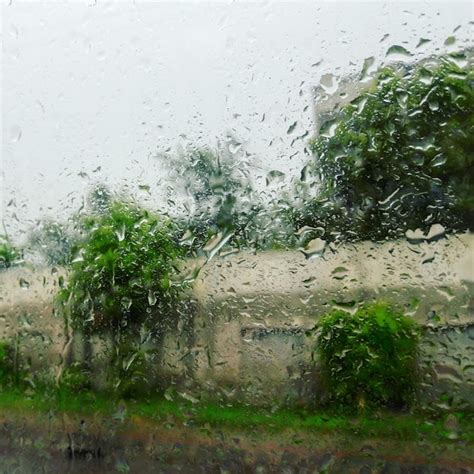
122,284
54,241
209,175
99,199
400,156
57,242
125,269
225,202
218,185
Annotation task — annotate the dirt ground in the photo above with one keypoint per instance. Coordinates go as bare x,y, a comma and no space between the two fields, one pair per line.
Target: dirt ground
41,443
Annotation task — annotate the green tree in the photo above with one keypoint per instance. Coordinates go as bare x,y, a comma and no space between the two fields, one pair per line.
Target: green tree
218,184
57,242
400,156
54,241
123,283
208,175
98,200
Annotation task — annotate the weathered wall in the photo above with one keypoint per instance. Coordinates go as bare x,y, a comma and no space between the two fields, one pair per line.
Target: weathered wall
27,314
248,337
254,312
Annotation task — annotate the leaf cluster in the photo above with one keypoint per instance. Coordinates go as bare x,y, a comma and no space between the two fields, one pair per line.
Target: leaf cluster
9,255
54,241
124,270
369,358
10,373
400,156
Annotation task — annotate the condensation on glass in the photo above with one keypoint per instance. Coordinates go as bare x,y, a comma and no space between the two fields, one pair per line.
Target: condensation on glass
237,237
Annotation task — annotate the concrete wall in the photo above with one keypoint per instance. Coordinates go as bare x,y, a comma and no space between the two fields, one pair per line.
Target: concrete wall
254,311
27,314
247,337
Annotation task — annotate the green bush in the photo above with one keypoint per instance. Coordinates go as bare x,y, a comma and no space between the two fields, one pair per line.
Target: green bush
124,271
369,358
400,156
9,256
134,377
9,373
122,283
75,379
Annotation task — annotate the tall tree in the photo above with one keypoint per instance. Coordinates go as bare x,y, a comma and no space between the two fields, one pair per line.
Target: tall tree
401,155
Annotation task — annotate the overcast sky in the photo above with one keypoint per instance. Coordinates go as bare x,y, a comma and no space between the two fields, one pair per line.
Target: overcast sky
94,91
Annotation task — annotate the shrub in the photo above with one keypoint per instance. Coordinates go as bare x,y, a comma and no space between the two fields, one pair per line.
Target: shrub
400,156
75,379
369,358
124,271
121,284
9,373
9,256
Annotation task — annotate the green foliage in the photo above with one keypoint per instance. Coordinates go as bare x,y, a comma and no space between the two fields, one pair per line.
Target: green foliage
6,366
75,379
124,271
99,200
123,286
222,196
207,416
131,372
54,241
369,358
9,370
400,156
208,175
9,255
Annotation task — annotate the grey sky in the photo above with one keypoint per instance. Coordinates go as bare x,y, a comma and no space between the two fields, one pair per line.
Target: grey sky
109,85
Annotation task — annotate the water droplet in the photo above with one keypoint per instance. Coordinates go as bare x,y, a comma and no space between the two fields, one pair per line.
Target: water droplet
151,298
433,105
144,187
235,147
398,52
422,41
438,160
274,176
15,134
450,40
367,68
291,128
126,303
436,232
329,83
315,248
339,273
188,238
328,128
216,243
120,233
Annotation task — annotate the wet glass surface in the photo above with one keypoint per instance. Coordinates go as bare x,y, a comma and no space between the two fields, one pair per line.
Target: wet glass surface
237,237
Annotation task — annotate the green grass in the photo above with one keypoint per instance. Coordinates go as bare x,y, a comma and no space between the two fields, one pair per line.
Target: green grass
43,401
172,413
